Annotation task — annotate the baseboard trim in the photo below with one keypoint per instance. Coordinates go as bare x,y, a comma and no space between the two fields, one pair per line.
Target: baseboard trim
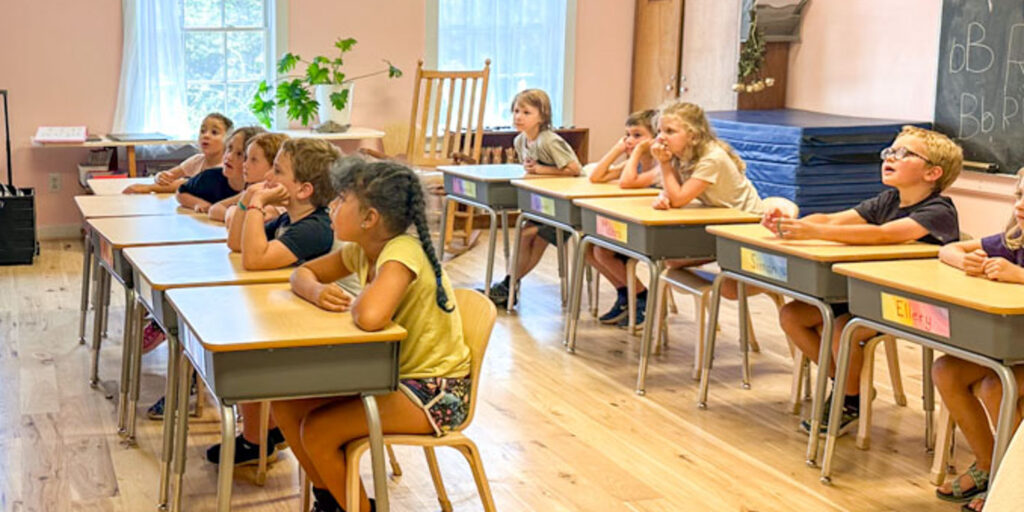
59,232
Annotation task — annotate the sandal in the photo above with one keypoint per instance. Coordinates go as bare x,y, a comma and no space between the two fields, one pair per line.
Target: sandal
967,506
959,495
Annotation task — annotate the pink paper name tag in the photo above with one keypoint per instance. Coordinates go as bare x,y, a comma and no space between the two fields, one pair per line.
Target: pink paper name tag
613,229
545,205
463,187
919,315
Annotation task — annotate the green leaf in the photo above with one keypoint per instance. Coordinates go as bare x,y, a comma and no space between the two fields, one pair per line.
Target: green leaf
317,75
261,108
321,60
339,99
345,44
287,62
338,61
339,77
393,72
262,89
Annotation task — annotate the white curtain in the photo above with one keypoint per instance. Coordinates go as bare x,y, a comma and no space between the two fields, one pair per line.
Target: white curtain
151,96
525,40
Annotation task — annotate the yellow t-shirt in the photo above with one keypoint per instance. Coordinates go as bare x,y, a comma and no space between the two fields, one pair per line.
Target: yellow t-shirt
728,186
434,346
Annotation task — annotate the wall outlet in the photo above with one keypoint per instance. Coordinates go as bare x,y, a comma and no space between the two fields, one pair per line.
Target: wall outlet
54,182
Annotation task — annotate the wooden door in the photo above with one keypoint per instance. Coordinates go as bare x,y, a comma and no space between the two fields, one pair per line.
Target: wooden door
657,52
709,64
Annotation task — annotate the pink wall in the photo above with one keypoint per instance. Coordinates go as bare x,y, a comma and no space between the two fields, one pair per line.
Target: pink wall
61,62
44,48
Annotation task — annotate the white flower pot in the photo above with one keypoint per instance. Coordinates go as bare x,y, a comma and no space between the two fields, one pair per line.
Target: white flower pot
327,112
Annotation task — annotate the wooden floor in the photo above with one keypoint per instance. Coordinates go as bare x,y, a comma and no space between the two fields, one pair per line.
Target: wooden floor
558,432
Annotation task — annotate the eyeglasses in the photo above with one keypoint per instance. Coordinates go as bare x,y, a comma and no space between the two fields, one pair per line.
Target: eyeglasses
901,153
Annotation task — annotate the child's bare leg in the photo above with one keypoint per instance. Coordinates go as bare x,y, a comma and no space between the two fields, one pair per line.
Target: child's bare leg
251,421
954,378
730,289
802,323
327,429
531,250
856,352
614,268
289,415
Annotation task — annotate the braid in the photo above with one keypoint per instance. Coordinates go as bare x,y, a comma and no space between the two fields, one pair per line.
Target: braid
419,219
395,191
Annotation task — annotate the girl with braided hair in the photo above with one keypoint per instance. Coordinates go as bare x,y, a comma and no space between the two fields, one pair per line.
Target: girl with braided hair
402,282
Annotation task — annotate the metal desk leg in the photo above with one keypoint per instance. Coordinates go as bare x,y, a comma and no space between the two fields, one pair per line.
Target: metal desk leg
504,233
97,328
170,417
86,260
513,272
741,290
443,231
1007,407
380,484
106,302
574,296
560,245
127,361
838,395
136,377
821,382
181,427
928,397
655,268
492,240
709,340
226,468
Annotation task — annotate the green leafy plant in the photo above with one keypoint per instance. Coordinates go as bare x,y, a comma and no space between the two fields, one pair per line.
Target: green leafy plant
748,77
294,92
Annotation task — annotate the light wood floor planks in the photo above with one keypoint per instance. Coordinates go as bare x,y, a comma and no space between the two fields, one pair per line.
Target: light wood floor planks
558,432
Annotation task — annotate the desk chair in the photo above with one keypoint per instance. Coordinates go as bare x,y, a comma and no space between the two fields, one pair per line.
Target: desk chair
1005,492
945,441
478,314
436,138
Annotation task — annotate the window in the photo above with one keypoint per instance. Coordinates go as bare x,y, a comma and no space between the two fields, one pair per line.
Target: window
228,45
525,40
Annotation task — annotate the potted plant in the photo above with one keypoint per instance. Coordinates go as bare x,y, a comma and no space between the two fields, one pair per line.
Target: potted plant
323,89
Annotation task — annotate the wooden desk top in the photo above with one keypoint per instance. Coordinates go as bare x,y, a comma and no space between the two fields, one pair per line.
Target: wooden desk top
353,133
934,279
233,318
105,142
124,205
124,232
639,210
571,188
190,265
820,250
114,186
491,172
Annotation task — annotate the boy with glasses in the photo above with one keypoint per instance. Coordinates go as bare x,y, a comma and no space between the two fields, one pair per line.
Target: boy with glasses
919,166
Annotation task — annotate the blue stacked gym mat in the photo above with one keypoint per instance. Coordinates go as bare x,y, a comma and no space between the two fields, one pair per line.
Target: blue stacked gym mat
821,162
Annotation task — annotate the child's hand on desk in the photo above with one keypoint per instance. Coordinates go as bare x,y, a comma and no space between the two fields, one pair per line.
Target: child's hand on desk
202,207
1000,269
530,165
796,229
661,202
137,188
331,297
164,178
974,263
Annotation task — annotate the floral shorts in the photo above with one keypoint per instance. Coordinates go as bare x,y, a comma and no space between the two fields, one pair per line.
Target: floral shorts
445,401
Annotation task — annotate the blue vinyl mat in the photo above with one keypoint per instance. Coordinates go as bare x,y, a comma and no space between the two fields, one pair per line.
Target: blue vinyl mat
805,128
792,174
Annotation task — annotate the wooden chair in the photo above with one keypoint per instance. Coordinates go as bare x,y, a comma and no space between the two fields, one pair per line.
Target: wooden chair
1005,492
944,444
478,314
446,128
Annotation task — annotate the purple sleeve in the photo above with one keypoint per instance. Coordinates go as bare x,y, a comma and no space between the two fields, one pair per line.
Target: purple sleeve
995,247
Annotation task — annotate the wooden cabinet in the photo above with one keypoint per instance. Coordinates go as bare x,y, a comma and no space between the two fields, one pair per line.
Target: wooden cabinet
657,52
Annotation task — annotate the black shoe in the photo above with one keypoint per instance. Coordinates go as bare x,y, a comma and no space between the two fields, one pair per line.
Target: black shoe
616,313
641,313
156,411
849,419
499,293
276,438
323,501
246,453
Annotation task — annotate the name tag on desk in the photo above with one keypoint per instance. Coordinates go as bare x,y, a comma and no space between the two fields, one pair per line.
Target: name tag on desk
763,264
106,252
463,187
545,205
919,315
613,229
145,291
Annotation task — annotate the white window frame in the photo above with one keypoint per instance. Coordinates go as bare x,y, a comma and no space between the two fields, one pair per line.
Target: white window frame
275,16
569,65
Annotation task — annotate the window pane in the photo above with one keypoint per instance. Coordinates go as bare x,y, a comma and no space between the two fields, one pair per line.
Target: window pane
204,55
203,99
246,56
243,13
202,13
238,98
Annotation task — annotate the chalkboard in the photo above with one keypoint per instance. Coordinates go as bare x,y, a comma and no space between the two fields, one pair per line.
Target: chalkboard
979,99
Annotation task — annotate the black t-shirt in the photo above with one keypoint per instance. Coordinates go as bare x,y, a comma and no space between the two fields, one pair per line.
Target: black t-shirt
935,213
308,238
210,185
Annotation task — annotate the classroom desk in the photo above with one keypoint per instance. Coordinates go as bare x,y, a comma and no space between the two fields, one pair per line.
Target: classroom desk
276,346
159,269
489,188
115,186
353,133
801,269
941,308
111,236
550,201
631,227
120,205
106,142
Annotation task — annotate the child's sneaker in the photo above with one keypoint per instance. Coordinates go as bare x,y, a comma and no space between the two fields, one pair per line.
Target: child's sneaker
246,453
849,419
641,312
616,313
156,411
152,337
276,438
